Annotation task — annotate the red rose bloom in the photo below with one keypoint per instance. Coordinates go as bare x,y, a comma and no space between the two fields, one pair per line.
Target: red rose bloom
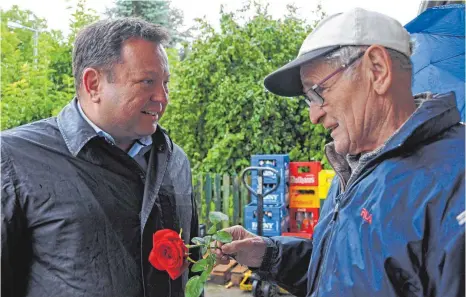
168,252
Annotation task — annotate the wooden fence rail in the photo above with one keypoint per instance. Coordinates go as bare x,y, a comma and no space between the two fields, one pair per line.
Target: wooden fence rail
225,193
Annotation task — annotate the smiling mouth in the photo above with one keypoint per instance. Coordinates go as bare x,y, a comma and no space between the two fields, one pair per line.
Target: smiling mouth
153,114
150,113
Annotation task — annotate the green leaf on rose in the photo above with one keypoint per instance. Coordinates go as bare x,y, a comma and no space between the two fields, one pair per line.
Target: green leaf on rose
203,250
205,275
200,265
211,260
198,240
217,217
223,237
194,286
212,229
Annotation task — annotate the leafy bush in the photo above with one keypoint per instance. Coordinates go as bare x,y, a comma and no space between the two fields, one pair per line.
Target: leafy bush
220,112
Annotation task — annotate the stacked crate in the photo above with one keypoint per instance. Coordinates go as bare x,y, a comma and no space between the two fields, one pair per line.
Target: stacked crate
325,181
304,196
275,219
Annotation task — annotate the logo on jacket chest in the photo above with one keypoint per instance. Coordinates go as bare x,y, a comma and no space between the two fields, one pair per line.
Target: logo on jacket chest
366,215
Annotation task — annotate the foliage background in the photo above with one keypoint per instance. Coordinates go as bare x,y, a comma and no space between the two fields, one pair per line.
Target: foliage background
219,111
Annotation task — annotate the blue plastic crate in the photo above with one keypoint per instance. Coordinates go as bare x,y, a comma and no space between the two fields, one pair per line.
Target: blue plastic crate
281,163
280,195
275,220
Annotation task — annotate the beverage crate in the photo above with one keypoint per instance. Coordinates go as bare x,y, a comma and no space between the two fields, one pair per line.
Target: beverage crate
275,219
305,173
281,195
304,197
325,181
303,219
281,163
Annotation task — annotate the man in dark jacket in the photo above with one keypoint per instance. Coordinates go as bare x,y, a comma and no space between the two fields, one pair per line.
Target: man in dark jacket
83,192
393,221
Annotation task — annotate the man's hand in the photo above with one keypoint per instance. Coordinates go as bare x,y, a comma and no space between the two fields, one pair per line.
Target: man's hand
247,248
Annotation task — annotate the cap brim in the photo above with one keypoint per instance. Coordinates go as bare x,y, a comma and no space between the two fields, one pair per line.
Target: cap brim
286,81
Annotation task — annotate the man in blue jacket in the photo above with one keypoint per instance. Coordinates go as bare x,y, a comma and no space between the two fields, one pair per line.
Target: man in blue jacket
393,222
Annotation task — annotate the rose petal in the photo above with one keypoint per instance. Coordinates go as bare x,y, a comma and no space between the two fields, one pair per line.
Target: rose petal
161,234
172,256
153,259
172,236
174,273
179,252
167,254
160,250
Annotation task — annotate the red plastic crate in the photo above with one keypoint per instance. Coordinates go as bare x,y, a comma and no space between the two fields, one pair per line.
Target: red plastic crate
304,197
297,226
305,173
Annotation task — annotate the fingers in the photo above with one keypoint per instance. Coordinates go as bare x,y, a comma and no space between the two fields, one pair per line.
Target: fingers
221,258
236,246
240,243
238,232
235,232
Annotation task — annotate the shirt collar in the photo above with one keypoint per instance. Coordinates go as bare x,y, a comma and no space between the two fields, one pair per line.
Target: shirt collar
77,130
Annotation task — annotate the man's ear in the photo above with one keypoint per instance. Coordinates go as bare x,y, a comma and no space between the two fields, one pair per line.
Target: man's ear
91,83
381,70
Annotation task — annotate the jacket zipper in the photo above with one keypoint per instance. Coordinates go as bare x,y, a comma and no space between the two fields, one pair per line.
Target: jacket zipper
336,209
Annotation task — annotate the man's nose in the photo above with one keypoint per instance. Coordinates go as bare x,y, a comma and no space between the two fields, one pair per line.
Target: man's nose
316,112
160,95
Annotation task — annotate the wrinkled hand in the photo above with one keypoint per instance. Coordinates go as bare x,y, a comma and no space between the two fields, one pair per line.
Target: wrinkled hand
247,248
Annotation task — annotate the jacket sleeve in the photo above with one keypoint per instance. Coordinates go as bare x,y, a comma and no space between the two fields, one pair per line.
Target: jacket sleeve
13,226
449,233
286,262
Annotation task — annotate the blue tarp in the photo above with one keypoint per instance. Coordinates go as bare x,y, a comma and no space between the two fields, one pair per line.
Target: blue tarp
438,59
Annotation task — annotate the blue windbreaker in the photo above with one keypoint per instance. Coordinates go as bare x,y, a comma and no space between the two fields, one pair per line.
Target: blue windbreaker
392,228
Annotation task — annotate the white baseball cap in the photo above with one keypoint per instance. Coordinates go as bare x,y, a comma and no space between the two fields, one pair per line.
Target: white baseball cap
354,27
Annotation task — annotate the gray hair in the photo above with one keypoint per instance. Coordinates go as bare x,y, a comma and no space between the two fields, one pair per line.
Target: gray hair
99,44
346,53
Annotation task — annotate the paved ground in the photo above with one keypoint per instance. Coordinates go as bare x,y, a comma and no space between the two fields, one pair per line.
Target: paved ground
213,290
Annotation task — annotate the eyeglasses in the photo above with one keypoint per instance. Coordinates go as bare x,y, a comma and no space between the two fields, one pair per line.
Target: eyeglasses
312,94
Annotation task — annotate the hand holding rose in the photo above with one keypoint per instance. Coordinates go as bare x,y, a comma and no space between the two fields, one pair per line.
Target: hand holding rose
247,248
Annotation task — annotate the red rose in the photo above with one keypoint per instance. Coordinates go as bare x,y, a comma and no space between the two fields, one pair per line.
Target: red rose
168,252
